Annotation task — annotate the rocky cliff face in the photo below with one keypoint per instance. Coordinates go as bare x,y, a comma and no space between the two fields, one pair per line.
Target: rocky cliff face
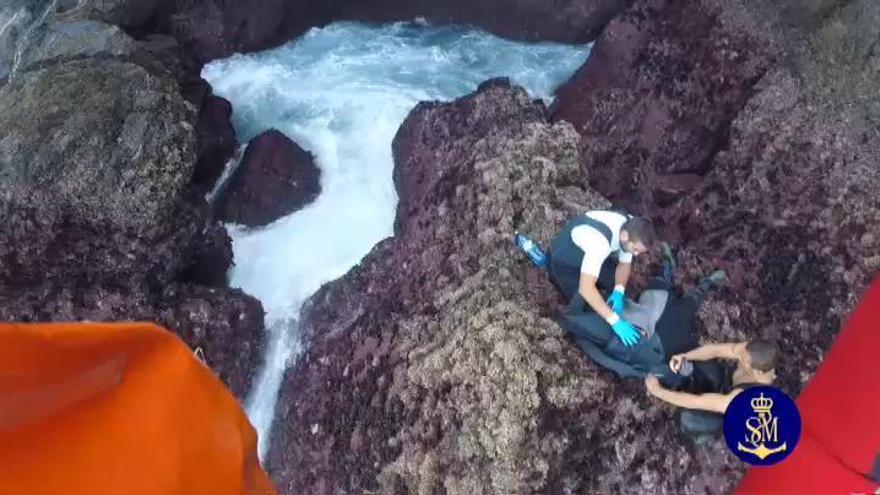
434,366
656,98
214,29
96,160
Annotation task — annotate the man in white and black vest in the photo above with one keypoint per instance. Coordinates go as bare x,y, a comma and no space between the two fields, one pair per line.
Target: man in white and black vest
595,251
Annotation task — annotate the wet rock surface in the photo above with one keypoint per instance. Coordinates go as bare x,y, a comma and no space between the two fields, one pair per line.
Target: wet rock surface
656,97
59,40
216,140
276,177
568,21
105,137
746,130
100,221
213,29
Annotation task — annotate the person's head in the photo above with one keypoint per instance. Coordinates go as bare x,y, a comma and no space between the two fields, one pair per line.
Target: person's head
637,236
760,356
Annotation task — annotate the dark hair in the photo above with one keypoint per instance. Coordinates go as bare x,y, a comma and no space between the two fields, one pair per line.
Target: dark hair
764,354
640,230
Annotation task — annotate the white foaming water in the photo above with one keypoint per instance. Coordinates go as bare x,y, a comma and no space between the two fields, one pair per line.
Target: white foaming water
342,92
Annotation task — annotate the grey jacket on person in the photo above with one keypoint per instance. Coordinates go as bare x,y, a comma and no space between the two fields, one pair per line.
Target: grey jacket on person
645,313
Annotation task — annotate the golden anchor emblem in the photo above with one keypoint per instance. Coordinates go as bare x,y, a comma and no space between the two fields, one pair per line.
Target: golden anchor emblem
763,428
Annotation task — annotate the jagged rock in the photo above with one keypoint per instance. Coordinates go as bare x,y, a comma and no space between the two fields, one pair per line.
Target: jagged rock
130,14
16,18
214,29
57,41
216,140
840,63
100,223
654,99
568,21
35,32
226,324
275,178
106,138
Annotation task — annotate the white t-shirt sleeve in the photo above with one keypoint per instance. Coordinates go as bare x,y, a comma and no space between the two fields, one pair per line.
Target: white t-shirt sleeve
624,257
595,247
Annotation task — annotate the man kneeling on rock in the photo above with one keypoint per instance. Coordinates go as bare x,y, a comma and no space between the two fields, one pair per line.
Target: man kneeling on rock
666,323
596,250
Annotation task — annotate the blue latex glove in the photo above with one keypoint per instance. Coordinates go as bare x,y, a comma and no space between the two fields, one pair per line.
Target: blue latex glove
615,302
627,333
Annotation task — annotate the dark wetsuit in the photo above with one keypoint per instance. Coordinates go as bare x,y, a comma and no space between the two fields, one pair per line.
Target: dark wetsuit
715,376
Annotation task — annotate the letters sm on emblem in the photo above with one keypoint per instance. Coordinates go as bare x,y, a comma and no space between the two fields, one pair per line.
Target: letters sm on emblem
762,426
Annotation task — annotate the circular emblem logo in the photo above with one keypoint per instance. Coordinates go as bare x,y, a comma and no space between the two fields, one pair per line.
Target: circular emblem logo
762,426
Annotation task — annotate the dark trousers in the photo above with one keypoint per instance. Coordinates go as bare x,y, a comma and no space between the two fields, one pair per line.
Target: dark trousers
675,326
567,278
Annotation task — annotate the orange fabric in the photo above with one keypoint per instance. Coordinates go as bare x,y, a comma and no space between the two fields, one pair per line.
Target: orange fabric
99,409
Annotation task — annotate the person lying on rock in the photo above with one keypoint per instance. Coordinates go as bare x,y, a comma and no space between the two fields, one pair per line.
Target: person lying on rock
720,372
664,320
595,251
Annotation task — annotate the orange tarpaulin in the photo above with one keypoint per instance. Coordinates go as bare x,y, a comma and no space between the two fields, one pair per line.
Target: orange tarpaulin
100,409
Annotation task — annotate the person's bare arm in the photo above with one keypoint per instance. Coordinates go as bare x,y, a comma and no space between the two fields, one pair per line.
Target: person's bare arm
707,352
587,289
621,274
706,402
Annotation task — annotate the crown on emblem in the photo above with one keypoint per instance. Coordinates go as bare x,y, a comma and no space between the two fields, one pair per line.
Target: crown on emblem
762,404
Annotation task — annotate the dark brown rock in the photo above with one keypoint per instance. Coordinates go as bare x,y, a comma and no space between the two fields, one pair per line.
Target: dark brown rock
130,14
275,178
654,99
100,221
211,257
429,370
568,21
226,324
214,29
216,140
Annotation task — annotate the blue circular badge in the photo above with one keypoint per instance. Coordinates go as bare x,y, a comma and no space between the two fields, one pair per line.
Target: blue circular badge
762,426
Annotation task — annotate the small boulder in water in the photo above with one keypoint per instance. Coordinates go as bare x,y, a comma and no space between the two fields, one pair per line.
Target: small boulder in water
276,177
